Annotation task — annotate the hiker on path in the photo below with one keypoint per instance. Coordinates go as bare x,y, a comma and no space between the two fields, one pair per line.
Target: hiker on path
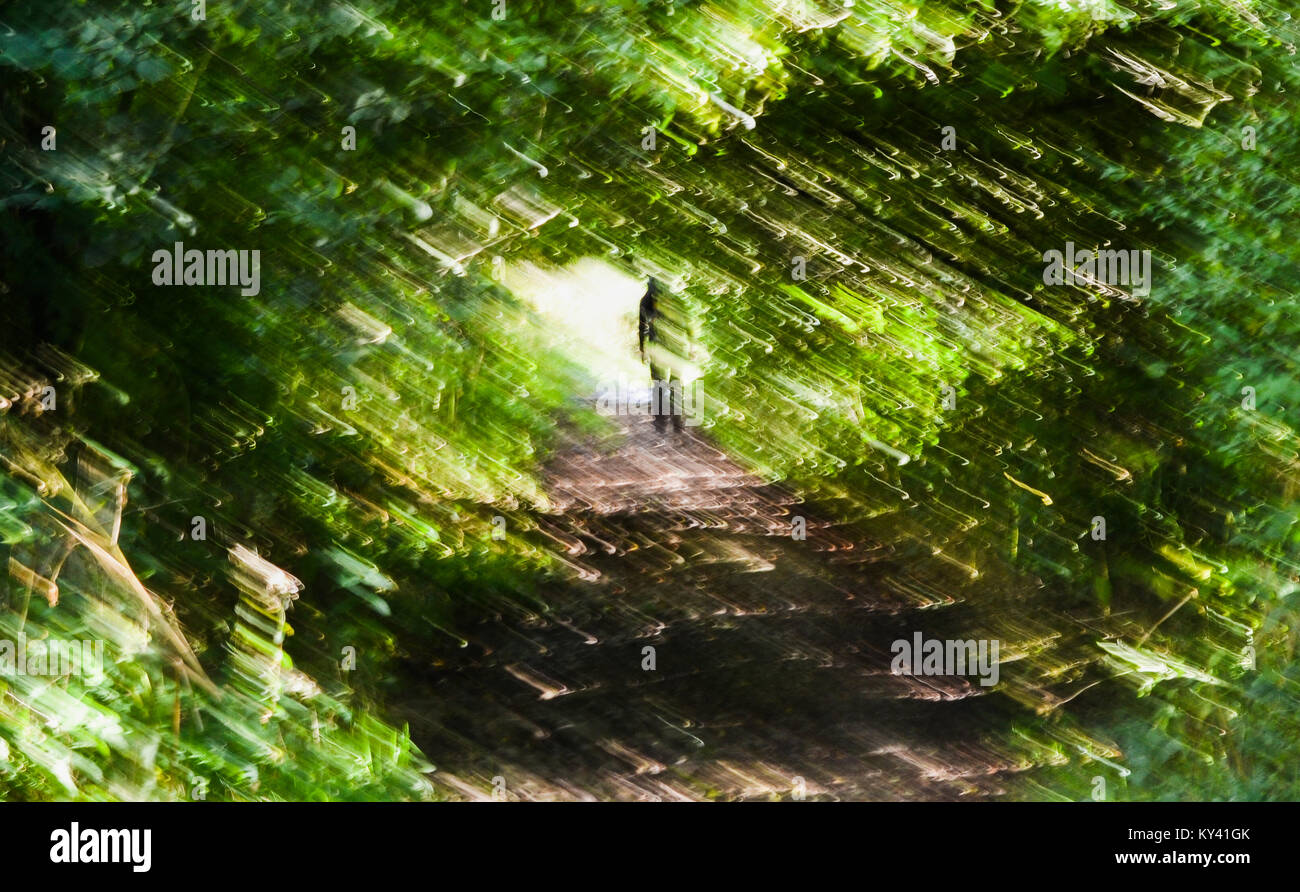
666,335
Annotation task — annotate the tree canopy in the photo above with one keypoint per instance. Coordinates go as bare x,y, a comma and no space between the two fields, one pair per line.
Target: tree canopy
857,199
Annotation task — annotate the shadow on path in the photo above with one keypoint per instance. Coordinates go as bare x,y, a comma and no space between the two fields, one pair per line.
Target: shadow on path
772,655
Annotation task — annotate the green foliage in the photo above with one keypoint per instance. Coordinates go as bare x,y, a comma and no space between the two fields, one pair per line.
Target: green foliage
522,138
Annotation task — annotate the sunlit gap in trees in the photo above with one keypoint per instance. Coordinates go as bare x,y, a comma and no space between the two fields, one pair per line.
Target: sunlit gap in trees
591,307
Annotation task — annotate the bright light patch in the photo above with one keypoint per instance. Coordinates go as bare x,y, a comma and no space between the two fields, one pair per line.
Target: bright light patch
592,308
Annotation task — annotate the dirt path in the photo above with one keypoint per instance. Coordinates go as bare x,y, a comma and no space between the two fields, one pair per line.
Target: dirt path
772,655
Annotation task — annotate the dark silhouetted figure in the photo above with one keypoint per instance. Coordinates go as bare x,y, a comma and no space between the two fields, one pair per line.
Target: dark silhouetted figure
665,335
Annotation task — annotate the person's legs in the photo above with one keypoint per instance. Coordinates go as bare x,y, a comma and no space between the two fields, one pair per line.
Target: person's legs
678,410
659,398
